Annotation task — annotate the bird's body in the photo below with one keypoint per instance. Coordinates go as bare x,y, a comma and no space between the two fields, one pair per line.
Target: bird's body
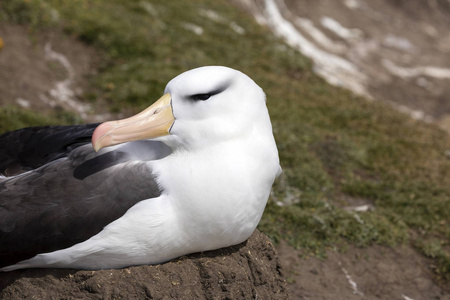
200,183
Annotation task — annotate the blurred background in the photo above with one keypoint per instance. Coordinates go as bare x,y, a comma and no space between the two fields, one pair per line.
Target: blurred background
395,51
359,97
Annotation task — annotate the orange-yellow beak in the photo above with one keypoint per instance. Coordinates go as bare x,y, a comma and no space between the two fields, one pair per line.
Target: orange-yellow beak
153,122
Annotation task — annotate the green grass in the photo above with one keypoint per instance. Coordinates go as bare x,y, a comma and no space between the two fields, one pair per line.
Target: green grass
335,148
12,117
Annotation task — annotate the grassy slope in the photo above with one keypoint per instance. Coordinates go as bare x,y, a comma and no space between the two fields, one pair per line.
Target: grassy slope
335,148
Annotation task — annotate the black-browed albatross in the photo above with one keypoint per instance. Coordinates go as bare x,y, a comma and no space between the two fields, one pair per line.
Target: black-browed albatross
191,173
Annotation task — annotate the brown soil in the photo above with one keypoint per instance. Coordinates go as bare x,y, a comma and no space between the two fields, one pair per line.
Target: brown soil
29,74
377,273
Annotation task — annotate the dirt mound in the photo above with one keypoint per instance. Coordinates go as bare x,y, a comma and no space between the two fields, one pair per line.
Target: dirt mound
250,270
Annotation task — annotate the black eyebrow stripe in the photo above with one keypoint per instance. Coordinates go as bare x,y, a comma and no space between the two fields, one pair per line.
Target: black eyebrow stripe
219,90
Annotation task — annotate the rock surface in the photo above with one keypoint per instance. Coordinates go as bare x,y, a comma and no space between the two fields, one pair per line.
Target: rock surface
250,270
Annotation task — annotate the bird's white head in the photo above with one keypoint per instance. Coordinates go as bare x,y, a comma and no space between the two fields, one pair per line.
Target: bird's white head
214,104
204,105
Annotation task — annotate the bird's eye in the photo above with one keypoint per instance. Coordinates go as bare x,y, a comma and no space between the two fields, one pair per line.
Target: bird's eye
200,97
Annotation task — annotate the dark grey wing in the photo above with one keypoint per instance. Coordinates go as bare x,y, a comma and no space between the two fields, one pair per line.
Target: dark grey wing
49,208
28,148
